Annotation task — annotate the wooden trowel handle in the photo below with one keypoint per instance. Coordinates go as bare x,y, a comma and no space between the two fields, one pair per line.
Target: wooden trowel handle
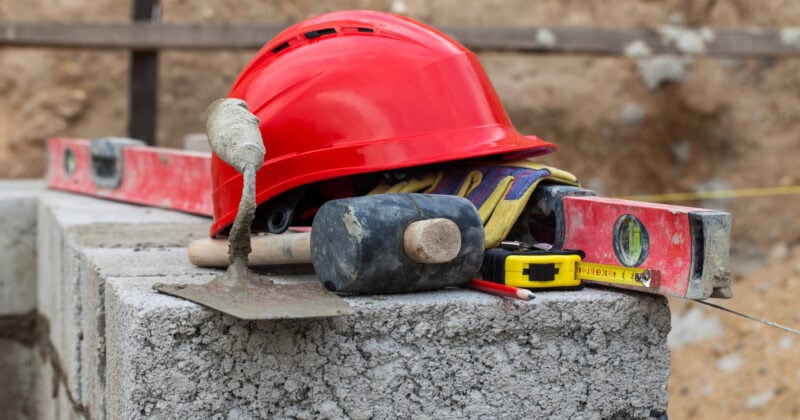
431,241
283,249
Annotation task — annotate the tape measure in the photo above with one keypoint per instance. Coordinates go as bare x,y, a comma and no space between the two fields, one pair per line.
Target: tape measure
539,269
602,273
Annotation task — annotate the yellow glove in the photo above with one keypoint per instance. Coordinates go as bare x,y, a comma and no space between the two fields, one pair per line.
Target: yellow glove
499,190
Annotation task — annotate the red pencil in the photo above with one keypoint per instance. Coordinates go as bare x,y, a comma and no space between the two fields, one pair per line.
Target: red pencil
500,289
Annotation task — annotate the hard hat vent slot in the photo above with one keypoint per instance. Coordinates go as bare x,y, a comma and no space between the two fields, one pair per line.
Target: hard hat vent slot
280,48
320,32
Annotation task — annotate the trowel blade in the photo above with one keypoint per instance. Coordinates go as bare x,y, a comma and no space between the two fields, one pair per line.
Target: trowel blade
257,299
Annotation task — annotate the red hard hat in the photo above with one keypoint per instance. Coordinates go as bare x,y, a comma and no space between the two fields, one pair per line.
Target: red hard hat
354,92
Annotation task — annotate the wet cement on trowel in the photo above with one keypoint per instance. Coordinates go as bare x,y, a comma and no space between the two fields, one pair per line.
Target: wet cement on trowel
239,247
239,241
234,135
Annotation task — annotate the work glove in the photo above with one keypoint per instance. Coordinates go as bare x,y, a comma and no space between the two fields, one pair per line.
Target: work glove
499,190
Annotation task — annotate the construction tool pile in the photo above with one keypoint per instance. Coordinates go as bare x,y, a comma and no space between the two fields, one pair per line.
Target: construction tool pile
337,167
383,243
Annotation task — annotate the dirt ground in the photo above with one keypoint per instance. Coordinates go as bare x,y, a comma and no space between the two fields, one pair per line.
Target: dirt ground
726,367
715,124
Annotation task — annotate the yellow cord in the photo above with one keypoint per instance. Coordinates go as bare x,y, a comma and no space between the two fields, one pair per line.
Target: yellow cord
704,195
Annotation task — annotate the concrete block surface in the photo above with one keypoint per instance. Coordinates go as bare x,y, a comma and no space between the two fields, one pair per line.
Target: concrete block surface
17,367
18,201
51,396
447,354
97,264
82,239
125,351
74,209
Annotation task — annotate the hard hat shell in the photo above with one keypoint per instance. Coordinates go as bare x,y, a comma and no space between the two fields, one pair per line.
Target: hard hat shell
353,92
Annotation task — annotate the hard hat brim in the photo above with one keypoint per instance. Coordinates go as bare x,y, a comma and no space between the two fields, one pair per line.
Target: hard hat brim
288,172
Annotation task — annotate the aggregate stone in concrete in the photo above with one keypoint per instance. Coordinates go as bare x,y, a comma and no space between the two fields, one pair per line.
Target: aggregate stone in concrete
18,246
447,354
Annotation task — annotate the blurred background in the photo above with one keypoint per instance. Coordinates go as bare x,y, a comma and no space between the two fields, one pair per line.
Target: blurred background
626,124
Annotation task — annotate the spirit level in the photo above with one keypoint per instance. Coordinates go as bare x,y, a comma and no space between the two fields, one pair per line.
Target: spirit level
127,170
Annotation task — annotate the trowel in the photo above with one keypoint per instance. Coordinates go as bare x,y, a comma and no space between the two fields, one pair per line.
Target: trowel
234,137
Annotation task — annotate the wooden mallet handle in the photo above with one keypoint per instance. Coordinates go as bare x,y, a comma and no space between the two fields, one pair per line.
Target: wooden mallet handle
287,248
431,241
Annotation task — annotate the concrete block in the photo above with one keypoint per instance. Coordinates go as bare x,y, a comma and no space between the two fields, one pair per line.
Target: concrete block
23,187
97,264
59,295
78,236
447,354
125,351
74,209
18,201
17,367
51,397
17,296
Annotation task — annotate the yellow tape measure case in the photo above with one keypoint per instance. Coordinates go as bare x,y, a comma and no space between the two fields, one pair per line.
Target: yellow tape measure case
532,269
